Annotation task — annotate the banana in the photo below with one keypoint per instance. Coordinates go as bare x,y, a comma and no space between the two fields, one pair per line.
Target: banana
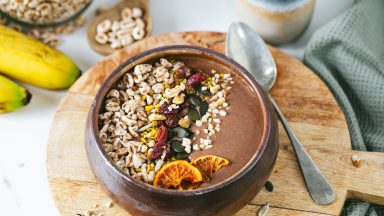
12,95
28,60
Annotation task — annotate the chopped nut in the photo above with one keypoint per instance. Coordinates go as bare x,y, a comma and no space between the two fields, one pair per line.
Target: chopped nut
207,141
202,146
185,123
186,142
210,126
178,99
196,147
208,146
108,204
356,161
216,120
199,123
223,113
156,117
188,149
220,101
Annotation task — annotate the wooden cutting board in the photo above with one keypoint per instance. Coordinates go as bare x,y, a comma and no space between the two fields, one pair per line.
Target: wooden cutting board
305,100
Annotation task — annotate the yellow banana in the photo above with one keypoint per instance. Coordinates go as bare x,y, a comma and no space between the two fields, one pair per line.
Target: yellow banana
28,60
12,95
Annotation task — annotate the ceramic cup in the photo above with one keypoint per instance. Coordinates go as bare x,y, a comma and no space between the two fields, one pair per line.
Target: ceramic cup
277,21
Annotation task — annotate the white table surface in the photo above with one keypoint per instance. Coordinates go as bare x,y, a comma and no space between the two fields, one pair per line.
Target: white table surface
24,188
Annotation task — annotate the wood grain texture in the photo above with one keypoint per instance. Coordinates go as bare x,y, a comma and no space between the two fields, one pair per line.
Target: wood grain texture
114,14
305,100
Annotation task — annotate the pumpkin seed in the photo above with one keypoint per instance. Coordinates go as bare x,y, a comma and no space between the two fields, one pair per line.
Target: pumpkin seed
202,92
203,108
269,186
193,115
181,132
182,156
194,100
176,146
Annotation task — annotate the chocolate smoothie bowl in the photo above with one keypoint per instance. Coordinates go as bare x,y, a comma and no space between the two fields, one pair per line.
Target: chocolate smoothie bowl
181,130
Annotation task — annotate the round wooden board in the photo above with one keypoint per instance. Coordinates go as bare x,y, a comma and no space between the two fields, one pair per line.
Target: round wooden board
307,103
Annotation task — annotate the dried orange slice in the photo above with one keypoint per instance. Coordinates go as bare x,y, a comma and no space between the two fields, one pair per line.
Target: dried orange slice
208,164
177,174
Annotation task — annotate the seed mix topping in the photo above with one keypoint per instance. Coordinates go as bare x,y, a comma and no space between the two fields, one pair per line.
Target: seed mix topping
149,115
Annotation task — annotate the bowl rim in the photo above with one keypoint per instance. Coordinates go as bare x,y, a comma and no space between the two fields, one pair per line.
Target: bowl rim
107,84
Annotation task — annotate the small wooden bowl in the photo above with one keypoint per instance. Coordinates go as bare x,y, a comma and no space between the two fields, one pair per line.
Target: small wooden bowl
114,14
223,198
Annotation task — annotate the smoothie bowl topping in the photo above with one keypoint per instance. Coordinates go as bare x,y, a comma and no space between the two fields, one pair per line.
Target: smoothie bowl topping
156,115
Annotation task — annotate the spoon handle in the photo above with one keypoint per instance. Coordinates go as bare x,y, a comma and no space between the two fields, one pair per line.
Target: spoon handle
318,186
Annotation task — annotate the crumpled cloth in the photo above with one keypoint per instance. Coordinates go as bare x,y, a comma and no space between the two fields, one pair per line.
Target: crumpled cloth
348,55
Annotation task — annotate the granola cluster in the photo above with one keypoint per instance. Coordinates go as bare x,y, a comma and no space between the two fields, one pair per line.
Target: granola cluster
156,112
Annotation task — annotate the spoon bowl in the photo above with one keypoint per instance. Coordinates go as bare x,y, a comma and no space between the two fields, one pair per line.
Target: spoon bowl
257,60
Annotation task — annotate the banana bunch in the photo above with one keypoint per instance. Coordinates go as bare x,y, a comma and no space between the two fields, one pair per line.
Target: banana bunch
27,60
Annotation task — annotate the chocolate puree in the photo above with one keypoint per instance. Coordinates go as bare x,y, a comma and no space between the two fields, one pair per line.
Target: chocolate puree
240,133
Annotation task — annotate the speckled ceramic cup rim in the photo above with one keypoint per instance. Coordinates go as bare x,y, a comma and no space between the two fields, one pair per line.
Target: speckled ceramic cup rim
170,50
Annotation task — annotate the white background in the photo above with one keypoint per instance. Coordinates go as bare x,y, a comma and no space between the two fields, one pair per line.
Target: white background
24,188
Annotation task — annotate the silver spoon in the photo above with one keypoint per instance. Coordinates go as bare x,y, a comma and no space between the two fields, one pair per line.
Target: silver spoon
246,47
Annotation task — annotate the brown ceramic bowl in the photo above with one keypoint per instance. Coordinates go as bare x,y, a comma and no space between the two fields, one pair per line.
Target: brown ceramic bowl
219,198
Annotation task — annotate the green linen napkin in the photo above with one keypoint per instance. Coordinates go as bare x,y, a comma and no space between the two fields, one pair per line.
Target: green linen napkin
348,55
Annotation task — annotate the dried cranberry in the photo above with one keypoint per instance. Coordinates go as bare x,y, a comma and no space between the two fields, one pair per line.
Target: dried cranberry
164,109
162,134
184,71
196,78
158,151
161,144
161,123
171,120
